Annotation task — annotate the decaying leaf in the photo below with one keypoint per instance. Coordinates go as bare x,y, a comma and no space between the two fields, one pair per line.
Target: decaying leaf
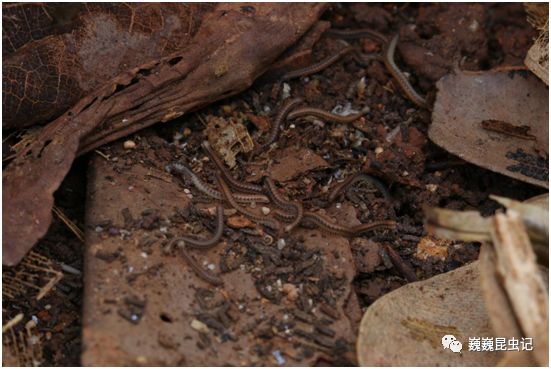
516,99
537,58
228,137
58,53
243,43
392,333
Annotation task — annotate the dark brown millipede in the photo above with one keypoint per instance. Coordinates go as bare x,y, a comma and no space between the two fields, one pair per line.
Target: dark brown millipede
325,115
269,222
184,242
280,117
399,76
207,190
294,206
235,184
319,66
349,34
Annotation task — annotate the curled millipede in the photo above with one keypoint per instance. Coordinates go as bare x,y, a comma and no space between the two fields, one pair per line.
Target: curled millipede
182,170
326,224
208,243
235,184
325,115
184,242
319,66
267,221
293,206
350,34
357,178
379,224
333,228
280,117
399,76
201,273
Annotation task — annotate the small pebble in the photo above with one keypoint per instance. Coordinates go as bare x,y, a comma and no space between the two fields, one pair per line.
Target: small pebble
199,326
211,267
129,145
227,109
265,210
186,190
279,358
280,244
361,87
291,291
286,91
379,150
431,187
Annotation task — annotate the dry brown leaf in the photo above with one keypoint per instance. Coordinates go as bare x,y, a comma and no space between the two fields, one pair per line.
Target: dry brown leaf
517,100
405,327
58,53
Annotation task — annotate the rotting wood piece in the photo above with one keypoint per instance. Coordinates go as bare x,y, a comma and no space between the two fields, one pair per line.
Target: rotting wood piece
231,49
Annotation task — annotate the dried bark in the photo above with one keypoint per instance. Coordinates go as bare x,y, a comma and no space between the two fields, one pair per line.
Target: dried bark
234,45
58,53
